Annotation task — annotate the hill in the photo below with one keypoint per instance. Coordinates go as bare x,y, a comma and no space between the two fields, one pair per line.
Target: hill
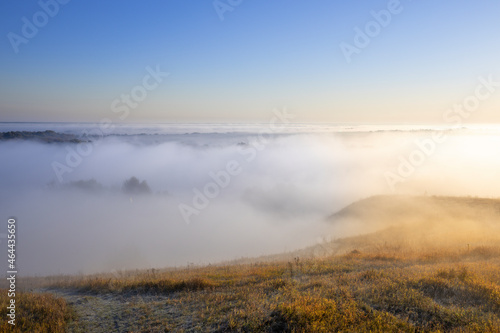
409,208
431,265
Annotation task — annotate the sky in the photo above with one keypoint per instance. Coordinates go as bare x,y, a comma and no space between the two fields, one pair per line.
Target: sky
237,60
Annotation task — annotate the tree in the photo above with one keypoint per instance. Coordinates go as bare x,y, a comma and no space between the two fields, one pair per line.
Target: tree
133,186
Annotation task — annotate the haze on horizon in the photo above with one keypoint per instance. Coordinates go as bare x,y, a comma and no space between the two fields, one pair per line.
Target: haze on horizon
237,62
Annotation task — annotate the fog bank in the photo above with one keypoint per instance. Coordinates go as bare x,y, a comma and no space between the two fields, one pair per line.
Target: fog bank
217,196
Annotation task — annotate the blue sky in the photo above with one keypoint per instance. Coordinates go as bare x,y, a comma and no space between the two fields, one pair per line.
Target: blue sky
262,55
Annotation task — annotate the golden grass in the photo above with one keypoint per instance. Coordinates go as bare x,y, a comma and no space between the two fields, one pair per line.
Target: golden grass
36,313
378,291
436,270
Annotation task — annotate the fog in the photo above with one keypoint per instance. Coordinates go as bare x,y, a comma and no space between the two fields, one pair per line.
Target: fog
212,196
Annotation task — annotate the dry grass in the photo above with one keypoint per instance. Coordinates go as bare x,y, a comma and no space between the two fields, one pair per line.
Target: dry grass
378,291
35,313
436,271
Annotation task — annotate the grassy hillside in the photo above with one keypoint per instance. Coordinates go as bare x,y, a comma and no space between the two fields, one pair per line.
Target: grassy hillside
419,223
427,270
378,291
391,208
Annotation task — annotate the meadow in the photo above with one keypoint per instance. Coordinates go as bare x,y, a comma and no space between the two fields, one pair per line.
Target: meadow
392,280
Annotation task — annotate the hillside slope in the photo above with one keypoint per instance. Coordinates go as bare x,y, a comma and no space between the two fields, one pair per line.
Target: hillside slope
416,273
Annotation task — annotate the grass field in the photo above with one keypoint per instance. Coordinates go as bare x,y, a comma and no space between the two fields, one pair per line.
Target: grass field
399,279
380,291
